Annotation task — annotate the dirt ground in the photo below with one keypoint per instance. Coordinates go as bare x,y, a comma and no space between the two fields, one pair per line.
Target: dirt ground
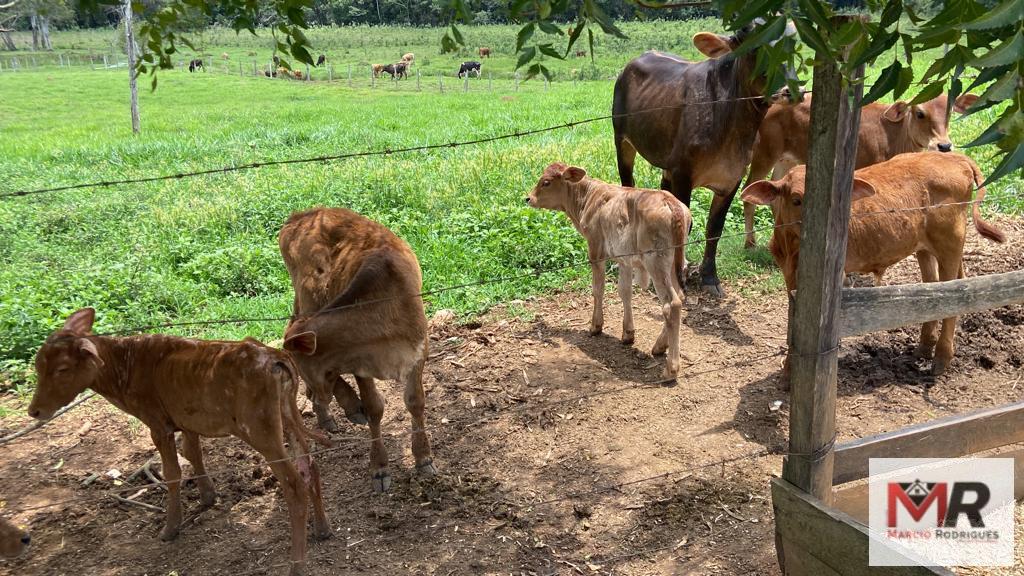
559,454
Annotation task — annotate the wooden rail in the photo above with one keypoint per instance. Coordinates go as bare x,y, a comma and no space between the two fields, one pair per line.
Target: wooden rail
865,310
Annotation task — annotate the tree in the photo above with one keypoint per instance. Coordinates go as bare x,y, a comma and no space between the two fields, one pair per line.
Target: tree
989,41
41,14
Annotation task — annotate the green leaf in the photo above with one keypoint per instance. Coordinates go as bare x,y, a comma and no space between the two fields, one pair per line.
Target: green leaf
753,10
525,56
762,35
533,70
847,34
819,12
887,82
891,13
1008,13
930,91
1007,53
548,50
991,135
576,31
810,35
544,9
1002,89
548,27
1012,161
987,75
878,45
458,35
906,78
525,33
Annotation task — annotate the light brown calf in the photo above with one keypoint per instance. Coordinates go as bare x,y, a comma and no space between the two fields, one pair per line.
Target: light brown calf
885,131
484,52
879,239
201,388
408,58
13,540
646,229
377,69
357,311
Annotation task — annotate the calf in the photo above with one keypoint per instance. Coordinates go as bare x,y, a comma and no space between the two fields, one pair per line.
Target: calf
581,53
694,120
409,58
396,69
484,52
225,56
468,68
636,228
321,60
357,311
879,238
885,131
377,69
201,388
195,64
13,540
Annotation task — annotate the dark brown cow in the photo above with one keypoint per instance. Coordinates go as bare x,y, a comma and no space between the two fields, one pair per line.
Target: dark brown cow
880,237
694,143
398,69
13,540
357,311
196,64
201,388
885,131
321,60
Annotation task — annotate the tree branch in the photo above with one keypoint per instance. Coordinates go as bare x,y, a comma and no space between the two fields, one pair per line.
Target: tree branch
8,5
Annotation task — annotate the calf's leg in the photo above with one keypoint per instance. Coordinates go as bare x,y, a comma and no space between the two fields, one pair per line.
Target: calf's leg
626,294
672,306
294,492
194,452
415,402
929,330
164,441
716,223
322,410
349,401
374,406
949,269
597,289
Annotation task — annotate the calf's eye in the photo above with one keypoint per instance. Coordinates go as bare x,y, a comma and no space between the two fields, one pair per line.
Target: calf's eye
797,201
920,114
546,183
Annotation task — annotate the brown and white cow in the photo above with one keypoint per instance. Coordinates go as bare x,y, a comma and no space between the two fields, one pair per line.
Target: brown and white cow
663,108
357,311
645,229
408,58
885,131
201,388
879,237
13,540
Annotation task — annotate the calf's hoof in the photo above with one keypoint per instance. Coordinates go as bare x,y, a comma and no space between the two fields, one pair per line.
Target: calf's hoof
322,532
713,288
169,533
381,482
750,244
628,337
659,348
924,351
939,366
427,468
596,329
328,424
207,498
357,418
669,376
297,569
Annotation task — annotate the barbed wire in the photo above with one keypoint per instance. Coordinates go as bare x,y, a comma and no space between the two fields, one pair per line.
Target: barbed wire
366,153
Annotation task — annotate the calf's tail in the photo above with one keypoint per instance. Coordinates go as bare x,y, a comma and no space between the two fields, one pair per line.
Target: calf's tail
291,418
680,230
984,228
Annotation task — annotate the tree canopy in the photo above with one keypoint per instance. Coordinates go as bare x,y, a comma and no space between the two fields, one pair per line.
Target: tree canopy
987,40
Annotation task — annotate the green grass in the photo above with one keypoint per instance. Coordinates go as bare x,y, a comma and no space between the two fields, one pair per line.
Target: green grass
205,247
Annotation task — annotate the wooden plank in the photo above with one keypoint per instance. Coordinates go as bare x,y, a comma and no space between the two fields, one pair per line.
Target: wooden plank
948,437
867,310
802,562
835,538
814,329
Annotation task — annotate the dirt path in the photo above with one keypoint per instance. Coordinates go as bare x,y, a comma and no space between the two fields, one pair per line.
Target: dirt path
558,454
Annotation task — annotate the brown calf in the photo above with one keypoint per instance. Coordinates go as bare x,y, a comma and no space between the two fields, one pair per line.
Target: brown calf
377,69
202,388
357,311
879,239
484,52
885,131
646,229
13,540
409,58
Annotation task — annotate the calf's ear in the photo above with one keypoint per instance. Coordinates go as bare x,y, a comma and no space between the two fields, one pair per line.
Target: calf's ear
861,189
711,45
574,174
80,322
897,112
762,192
963,102
304,343
88,349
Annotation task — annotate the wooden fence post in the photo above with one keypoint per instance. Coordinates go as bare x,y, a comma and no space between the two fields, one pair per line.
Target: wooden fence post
255,72
105,64
330,72
465,83
814,329
308,77
373,78
350,75
417,79
490,81
440,82
517,80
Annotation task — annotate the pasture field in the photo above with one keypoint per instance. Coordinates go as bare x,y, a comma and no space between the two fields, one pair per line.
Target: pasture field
205,248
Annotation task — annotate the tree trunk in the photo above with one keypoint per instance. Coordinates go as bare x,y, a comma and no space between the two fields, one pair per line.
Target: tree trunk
9,45
130,47
44,27
33,20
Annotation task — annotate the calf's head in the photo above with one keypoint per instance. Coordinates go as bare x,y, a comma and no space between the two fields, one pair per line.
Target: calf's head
786,198
717,46
13,540
66,364
552,190
300,340
926,125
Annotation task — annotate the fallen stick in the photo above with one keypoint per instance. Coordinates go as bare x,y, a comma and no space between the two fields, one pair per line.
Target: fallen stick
39,424
139,504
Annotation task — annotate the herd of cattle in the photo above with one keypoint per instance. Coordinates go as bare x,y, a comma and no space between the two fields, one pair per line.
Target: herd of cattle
358,310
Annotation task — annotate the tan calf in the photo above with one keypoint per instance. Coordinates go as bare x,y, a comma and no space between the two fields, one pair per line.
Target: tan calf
885,131
357,311
646,229
201,388
377,69
409,58
13,540
879,238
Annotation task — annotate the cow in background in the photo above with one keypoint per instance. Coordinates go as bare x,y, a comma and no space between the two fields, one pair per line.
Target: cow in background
484,52
885,228
885,131
468,68
196,64
321,60
701,125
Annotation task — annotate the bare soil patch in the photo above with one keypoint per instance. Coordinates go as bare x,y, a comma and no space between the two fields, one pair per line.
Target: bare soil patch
559,454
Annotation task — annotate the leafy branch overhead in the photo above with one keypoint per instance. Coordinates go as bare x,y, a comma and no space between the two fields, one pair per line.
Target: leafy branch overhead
989,42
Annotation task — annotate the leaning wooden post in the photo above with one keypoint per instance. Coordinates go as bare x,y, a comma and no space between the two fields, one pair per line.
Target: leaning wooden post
129,35
814,325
